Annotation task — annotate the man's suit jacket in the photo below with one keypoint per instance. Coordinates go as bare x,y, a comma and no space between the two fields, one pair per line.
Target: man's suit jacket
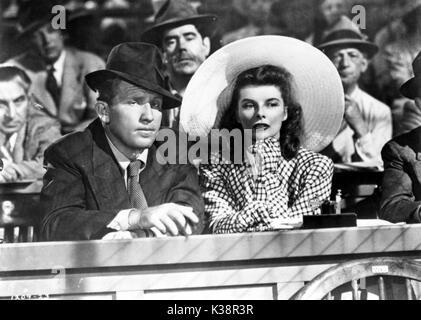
32,140
401,194
84,187
77,101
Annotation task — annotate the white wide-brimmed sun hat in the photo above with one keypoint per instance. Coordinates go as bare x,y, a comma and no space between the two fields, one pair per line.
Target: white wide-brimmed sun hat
317,86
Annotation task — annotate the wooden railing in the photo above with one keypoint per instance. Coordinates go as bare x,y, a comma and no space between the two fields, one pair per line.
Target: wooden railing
270,265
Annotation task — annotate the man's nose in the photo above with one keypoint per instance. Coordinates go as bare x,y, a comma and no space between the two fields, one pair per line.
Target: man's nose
147,114
182,43
11,111
345,60
45,37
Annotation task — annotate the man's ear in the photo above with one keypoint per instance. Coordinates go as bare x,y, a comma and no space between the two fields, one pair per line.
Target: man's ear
103,110
164,58
207,45
364,64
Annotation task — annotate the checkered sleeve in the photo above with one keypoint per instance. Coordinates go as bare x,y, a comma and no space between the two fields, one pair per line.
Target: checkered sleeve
316,183
224,214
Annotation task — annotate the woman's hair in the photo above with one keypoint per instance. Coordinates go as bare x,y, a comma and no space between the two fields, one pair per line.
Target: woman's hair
9,73
291,129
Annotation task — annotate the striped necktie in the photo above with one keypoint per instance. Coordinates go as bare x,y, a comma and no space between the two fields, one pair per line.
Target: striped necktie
136,195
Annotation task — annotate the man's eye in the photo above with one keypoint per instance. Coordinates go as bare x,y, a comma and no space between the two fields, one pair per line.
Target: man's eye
170,42
132,102
156,104
20,100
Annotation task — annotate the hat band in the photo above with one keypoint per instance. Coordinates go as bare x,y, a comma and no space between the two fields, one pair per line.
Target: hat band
342,35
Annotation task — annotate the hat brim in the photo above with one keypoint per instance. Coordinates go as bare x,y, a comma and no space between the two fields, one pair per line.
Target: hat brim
42,22
318,87
365,46
154,34
96,78
410,88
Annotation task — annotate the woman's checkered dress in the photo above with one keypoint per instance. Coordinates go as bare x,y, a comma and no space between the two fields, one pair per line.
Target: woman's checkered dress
239,199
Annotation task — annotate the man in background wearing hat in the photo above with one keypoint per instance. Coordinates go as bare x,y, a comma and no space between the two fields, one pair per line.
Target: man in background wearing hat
399,42
57,71
25,132
401,195
367,123
184,38
107,181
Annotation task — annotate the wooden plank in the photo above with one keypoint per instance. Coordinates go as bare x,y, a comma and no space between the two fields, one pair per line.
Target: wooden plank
215,248
175,278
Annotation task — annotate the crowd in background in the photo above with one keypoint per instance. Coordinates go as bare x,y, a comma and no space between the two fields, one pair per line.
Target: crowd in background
372,48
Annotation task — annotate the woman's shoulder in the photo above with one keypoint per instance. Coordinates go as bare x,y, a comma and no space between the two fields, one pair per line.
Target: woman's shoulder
310,158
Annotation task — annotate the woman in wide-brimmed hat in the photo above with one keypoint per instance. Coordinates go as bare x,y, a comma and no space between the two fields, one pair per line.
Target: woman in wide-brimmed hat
288,97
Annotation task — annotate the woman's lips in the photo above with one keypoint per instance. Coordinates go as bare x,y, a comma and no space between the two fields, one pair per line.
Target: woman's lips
260,126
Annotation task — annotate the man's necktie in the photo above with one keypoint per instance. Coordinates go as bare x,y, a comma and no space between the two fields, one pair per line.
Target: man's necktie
136,195
52,85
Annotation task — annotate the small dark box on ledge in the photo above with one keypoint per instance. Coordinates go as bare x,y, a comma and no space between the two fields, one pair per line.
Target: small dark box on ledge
330,221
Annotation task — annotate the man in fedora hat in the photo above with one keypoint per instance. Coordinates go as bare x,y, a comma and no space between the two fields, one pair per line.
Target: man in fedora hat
56,70
367,123
401,194
184,38
107,181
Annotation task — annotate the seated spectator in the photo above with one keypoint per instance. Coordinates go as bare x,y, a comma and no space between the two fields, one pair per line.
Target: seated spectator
367,123
278,177
25,132
329,14
56,71
259,18
401,195
106,181
399,43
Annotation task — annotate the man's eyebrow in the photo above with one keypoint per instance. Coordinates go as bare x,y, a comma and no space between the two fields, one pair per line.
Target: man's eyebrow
20,97
189,33
3,101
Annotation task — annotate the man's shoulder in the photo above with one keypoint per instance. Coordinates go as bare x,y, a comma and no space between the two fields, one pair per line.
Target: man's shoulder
411,138
27,61
75,143
379,105
405,145
84,57
39,123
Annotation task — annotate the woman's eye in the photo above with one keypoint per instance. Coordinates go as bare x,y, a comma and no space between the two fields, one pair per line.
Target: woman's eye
132,102
248,106
273,104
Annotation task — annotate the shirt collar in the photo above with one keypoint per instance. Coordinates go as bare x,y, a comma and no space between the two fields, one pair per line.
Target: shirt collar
354,94
123,161
59,67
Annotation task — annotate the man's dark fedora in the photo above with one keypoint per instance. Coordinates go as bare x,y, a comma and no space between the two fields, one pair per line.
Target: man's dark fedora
175,13
348,34
139,64
35,14
412,88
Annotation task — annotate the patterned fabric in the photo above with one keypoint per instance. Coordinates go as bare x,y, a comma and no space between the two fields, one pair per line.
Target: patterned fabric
136,195
238,200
